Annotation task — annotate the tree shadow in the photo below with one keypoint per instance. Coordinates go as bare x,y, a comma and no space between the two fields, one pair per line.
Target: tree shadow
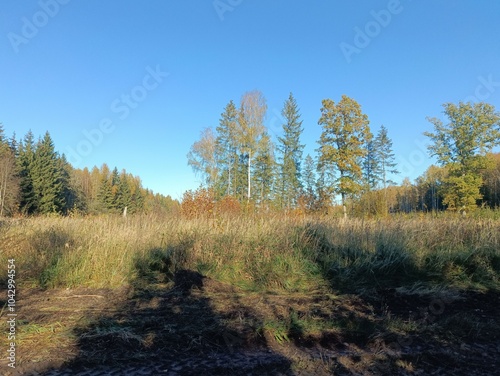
413,326
168,326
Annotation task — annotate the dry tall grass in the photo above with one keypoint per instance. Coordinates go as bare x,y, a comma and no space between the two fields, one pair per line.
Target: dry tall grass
254,253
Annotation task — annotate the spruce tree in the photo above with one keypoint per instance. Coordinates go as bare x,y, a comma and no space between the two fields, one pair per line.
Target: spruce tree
226,151
309,179
385,157
290,154
371,165
104,195
26,154
115,190
264,167
124,196
137,194
70,196
47,177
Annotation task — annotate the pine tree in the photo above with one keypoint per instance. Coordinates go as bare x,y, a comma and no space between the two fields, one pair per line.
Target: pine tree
345,133
290,154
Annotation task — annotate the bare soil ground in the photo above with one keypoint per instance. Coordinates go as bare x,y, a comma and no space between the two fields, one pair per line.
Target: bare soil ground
195,325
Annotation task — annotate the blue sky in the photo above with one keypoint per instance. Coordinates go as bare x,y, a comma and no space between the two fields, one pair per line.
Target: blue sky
142,78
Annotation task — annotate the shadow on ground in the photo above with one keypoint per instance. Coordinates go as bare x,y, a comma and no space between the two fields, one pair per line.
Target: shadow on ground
175,321
415,326
171,328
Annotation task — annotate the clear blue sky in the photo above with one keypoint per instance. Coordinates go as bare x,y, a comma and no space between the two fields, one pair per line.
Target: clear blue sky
68,67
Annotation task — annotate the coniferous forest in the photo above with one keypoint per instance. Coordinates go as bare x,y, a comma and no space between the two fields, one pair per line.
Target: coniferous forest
37,180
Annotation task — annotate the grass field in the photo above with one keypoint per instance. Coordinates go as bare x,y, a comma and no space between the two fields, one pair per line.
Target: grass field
368,295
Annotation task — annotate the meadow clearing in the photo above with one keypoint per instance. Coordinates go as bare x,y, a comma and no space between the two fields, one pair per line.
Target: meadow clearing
291,295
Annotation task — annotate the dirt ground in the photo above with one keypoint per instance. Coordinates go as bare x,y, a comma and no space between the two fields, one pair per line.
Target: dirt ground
195,325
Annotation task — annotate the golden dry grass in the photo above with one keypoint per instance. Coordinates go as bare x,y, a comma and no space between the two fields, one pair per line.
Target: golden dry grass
290,254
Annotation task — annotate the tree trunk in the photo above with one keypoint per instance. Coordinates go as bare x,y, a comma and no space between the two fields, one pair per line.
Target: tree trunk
344,208
249,175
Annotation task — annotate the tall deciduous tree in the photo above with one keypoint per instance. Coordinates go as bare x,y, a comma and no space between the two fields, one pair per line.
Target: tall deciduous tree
461,145
345,133
290,154
202,157
250,130
491,179
430,187
9,181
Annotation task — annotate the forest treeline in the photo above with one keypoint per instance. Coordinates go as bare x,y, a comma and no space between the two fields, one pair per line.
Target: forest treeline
239,163
241,166
36,179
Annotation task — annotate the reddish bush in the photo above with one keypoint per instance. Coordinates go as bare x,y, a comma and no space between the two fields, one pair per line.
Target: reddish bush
199,203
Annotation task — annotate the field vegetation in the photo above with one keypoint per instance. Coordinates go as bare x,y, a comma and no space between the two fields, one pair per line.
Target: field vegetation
355,288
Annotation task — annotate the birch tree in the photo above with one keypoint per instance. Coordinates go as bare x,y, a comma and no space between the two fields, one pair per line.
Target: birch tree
251,129
9,182
202,157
